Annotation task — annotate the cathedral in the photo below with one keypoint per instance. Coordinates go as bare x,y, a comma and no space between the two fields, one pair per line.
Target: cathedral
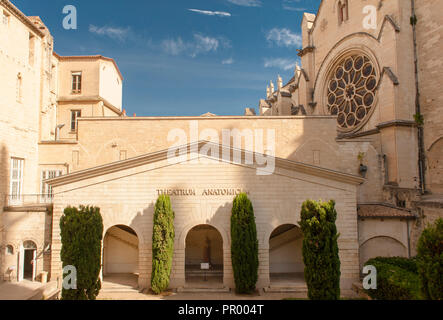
358,122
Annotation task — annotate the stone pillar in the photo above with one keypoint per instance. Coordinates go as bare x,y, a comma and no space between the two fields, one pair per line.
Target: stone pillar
263,267
144,265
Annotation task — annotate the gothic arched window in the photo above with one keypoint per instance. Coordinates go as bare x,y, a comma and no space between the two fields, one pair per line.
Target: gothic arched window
351,90
343,11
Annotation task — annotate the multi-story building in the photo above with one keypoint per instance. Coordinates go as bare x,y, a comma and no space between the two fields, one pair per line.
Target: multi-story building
359,123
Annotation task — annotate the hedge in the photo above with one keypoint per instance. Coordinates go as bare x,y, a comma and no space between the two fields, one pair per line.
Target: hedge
162,244
430,261
408,264
396,279
244,245
81,232
320,250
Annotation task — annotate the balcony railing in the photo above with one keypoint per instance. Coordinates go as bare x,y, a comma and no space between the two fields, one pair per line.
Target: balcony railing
28,199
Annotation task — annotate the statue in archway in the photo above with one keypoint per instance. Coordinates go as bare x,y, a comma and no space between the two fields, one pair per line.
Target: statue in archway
207,251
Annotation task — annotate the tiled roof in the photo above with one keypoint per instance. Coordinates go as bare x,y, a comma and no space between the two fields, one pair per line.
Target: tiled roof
381,210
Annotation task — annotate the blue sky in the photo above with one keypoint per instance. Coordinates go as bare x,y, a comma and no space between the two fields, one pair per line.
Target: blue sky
217,57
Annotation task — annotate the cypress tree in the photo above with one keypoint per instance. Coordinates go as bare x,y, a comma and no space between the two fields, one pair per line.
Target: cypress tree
162,244
430,261
81,233
244,245
320,250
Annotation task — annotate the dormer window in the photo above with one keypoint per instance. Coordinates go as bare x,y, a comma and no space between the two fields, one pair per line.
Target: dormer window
343,11
76,82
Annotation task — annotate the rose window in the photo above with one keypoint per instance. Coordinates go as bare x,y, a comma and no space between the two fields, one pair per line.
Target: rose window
351,91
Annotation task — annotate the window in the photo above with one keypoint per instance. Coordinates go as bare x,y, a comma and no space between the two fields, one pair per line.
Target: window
31,49
343,12
16,184
5,18
351,91
75,114
19,88
76,82
46,190
9,250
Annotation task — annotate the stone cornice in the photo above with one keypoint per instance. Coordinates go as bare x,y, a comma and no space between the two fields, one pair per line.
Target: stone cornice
29,208
305,117
90,99
396,123
91,57
22,17
197,146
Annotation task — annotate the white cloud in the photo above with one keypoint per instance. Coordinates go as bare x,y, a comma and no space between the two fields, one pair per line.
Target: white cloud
173,46
289,5
111,32
211,13
284,37
204,44
199,45
246,3
280,63
228,61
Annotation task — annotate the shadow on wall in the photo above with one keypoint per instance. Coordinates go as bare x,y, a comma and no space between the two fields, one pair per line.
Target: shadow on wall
4,175
4,181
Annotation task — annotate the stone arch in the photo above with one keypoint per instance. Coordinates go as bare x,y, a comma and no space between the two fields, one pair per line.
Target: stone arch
185,230
286,265
435,166
121,255
305,153
110,220
383,246
270,227
109,144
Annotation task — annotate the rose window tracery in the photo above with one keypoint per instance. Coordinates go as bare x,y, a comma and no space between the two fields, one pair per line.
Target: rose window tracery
351,90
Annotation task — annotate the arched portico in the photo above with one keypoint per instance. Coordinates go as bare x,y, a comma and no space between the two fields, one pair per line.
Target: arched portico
204,257
285,256
120,260
222,245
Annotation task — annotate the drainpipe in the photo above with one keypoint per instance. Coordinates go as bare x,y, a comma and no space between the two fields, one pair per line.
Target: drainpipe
421,147
409,238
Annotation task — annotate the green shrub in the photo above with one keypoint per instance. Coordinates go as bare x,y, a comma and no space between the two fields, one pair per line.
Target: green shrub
81,233
430,261
393,281
408,264
162,244
320,250
244,245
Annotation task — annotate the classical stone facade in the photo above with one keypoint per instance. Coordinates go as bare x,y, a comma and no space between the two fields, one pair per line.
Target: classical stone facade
347,127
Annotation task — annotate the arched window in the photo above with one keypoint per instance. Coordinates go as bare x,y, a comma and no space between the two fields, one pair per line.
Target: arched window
29,245
9,250
343,11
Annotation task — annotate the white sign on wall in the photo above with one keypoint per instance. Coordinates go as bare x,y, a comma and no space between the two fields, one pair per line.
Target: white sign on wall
204,266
